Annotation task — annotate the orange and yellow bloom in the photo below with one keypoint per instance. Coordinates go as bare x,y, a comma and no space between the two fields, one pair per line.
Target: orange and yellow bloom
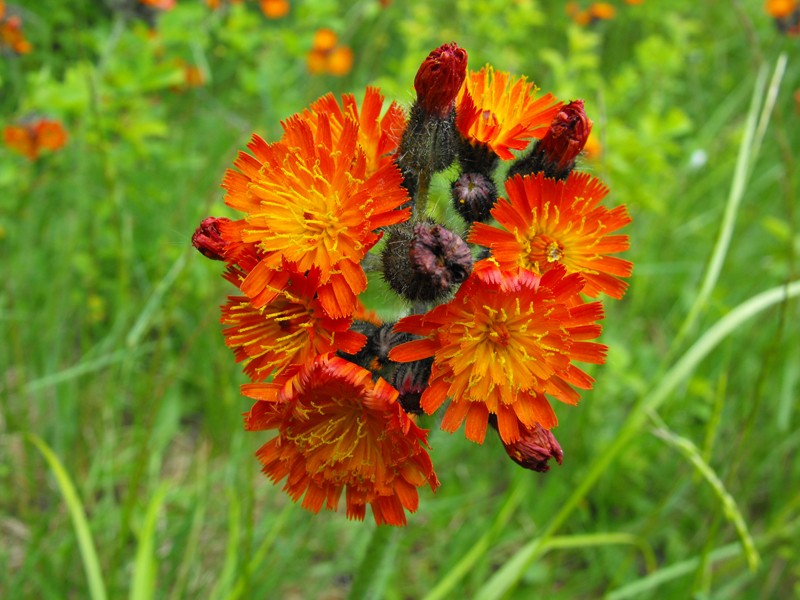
292,329
546,222
310,203
506,340
502,112
338,431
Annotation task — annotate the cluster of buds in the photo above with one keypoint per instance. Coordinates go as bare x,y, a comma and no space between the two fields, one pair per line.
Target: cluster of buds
497,314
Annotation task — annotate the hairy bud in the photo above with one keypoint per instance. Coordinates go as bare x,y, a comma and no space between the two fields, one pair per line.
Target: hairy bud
474,194
423,262
439,78
556,152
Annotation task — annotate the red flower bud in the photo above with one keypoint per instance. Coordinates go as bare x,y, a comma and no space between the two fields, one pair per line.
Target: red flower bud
439,78
567,136
207,238
535,447
555,154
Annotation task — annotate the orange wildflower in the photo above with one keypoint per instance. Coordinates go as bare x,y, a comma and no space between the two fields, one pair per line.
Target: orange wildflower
548,222
11,35
780,9
327,56
159,4
30,138
291,329
505,340
340,431
502,112
602,10
310,203
379,136
275,9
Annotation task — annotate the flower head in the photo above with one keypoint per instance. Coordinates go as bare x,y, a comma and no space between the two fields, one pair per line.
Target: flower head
505,340
439,79
340,431
328,56
547,223
275,9
291,329
310,203
11,34
502,112
31,137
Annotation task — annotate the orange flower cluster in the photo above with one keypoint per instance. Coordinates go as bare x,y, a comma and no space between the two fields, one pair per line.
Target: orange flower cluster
11,35
327,56
491,343
31,137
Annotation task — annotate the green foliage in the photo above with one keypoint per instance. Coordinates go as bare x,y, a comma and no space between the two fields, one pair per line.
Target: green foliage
139,480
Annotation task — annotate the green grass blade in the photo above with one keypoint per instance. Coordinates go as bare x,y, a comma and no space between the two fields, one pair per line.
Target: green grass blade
444,588
154,302
689,451
513,570
84,368
144,571
646,586
225,580
261,553
91,563
373,572
755,125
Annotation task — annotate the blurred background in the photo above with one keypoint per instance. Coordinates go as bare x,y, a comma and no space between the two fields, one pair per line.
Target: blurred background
124,469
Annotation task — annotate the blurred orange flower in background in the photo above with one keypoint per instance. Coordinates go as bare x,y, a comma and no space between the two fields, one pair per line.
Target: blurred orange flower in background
11,35
159,4
327,56
30,138
780,9
275,9
597,11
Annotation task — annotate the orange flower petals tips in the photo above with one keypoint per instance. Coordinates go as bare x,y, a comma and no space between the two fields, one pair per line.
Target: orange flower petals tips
502,112
378,136
548,222
504,341
340,431
291,329
310,203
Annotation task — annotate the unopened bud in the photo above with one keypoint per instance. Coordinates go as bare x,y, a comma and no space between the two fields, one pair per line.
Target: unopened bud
207,238
423,262
411,379
474,194
439,78
430,141
556,152
535,447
